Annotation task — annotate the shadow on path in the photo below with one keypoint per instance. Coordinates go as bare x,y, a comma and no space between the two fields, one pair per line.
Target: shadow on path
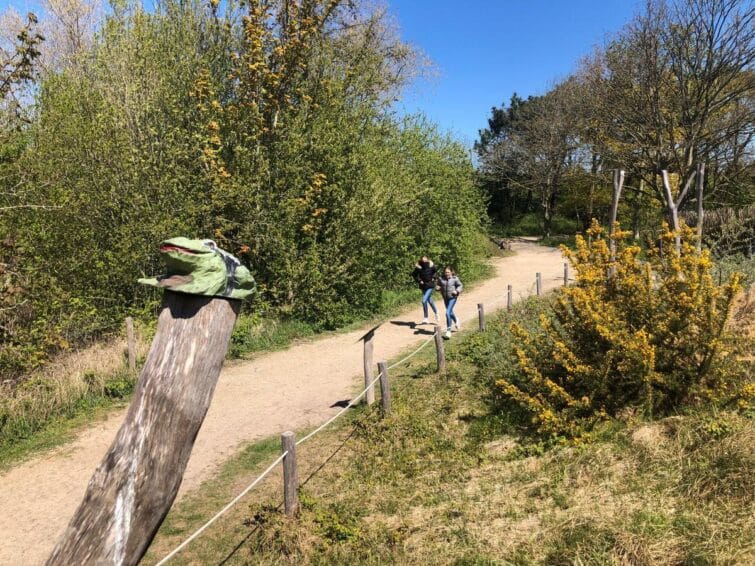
416,327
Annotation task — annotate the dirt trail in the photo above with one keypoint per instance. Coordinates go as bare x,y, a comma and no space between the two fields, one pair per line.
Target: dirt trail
292,389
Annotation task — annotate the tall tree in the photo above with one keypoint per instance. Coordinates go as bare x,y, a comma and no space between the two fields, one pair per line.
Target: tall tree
674,91
532,147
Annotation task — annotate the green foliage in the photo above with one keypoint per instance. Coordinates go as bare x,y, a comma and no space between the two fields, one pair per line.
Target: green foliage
630,335
264,129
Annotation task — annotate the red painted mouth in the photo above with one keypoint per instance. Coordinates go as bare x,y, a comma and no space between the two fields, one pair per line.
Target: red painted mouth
165,248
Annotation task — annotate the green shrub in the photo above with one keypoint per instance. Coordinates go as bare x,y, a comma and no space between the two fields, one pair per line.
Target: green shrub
630,334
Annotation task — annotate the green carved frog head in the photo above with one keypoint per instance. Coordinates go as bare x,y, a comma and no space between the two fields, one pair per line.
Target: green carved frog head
200,267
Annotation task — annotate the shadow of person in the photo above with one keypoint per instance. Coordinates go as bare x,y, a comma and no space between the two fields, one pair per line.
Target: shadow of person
419,330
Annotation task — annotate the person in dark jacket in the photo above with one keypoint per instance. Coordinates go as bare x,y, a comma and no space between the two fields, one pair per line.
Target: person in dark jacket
450,287
424,274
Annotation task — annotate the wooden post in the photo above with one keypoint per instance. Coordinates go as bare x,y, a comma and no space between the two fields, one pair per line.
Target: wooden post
369,343
440,353
131,344
509,298
566,274
618,183
699,177
672,208
135,484
385,389
290,474
539,283
481,315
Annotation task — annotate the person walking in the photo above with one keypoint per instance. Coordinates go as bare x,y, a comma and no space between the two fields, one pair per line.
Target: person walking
450,288
424,274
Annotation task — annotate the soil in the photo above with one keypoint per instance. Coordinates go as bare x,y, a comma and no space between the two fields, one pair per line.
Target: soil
288,390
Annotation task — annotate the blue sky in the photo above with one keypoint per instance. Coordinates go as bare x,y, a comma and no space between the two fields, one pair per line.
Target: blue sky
484,50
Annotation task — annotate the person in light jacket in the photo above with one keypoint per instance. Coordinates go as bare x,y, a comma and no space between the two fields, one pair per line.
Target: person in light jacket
424,274
450,288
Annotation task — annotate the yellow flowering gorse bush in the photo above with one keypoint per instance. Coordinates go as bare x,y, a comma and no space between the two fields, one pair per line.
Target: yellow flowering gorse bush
636,331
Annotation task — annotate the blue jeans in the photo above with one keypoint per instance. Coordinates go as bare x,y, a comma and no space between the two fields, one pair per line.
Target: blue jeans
450,304
427,297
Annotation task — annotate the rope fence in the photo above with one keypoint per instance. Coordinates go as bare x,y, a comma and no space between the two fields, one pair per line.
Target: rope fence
290,479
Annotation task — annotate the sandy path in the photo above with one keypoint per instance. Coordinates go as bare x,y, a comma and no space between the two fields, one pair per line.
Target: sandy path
292,389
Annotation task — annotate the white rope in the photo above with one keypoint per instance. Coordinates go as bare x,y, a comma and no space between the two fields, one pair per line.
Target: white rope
425,343
199,531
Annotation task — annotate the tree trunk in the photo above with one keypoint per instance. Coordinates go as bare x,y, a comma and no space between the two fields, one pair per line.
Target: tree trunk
700,211
618,183
135,484
672,210
637,211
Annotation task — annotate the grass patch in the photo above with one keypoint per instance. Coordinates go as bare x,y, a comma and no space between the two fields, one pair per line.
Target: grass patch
447,480
33,438
45,410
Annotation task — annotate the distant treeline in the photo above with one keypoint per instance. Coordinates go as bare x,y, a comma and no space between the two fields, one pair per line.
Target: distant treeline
265,126
672,90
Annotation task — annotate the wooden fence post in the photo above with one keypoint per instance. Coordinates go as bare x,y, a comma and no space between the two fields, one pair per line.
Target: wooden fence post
566,274
131,344
539,283
509,298
699,178
290,474
369,344
440,353
135,484
385,389
481,315
618,183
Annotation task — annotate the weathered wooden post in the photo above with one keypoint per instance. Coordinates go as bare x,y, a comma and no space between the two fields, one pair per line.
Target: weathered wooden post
699,177
369,345
509,298
133,488
539,283
481,315
566,274
385,389
290,474
135,484
618,183
131,344
440,353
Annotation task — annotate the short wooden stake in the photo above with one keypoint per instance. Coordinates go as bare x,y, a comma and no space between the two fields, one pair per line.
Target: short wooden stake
369,344
481,315
290,474
385,389
509,298
566,274
539,283
440,353
131,344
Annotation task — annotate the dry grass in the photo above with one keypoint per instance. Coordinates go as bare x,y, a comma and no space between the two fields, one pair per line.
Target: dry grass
70,385
446,481
425,486
742,323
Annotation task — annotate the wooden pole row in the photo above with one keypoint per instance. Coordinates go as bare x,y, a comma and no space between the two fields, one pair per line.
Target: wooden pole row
288,443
